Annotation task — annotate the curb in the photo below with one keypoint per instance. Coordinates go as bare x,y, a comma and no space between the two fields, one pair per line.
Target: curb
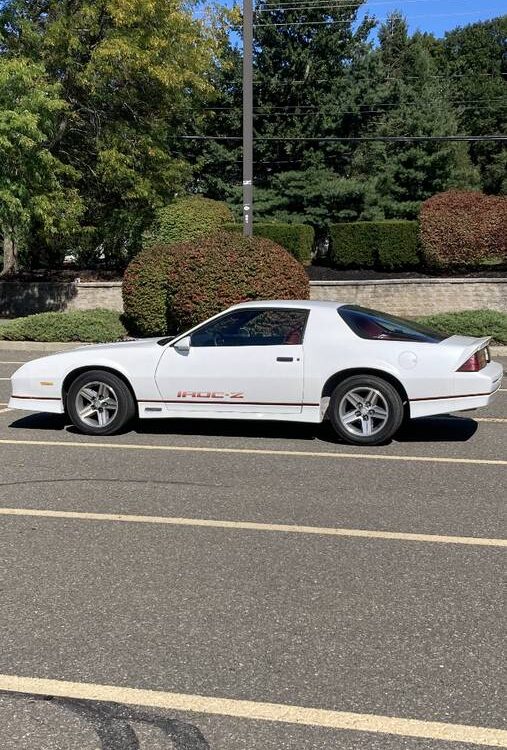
55,346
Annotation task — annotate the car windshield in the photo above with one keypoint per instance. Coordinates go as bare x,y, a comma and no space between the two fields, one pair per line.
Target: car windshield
371,324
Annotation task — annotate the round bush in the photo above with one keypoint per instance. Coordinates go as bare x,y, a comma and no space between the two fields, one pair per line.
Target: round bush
463,229
187,219
170,288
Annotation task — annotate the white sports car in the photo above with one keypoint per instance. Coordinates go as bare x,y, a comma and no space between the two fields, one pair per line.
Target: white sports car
294,361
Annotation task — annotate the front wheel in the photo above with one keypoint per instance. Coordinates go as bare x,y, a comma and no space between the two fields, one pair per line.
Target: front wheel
99,403
366,410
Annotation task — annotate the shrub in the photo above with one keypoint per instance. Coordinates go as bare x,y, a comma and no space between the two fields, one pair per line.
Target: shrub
470,323
187,219
397,244
460,229
145,291
198,279
85,325
352,244
366,244
298,239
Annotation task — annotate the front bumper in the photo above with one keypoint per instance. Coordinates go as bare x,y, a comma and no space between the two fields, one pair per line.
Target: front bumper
37,403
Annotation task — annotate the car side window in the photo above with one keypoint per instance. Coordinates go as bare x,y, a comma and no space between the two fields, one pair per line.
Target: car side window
254,327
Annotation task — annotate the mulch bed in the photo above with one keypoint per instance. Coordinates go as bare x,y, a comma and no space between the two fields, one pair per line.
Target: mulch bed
315,273
326,273
64,275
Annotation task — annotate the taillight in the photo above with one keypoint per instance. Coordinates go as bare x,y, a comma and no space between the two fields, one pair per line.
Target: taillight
476,362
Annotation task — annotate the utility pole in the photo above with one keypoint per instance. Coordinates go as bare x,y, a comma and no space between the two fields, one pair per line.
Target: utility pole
247,118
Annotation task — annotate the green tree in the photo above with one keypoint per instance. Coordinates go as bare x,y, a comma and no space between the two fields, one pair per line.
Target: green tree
36,188
413,101
311,76
131,74
475,62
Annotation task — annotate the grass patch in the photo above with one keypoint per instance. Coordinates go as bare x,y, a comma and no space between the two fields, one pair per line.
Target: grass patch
470,323
86,325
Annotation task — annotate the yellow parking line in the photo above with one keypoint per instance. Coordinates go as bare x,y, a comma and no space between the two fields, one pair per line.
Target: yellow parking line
253,526
257,452
258,711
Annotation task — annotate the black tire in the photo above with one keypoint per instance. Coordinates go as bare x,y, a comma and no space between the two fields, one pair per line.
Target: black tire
366,415
115,391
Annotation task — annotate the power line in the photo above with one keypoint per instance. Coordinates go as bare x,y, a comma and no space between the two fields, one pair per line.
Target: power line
444,76
330,22
358,4
332,139
322,5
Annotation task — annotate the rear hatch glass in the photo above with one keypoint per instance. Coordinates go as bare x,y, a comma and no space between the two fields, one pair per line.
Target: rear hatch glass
374,325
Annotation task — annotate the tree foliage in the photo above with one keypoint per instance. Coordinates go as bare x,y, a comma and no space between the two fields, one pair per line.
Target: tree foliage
318,74
131,73
37,192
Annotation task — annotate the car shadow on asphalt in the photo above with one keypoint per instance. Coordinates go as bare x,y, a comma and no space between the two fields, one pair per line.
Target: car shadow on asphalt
447,428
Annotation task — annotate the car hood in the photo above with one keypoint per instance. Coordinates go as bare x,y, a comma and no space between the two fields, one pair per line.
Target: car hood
117,345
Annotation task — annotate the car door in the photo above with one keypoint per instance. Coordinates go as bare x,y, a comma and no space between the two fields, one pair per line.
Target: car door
249,360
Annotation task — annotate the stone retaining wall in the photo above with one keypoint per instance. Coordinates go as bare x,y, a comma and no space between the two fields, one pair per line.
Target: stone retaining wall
398,296
23,298
416,296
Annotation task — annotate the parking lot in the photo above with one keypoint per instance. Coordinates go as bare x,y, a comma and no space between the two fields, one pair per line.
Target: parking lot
251,586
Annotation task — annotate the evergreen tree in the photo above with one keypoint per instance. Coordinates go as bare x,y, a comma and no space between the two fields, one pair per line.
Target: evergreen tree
475,62
413,101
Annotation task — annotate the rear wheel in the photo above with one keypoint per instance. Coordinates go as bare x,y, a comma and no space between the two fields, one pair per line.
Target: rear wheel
99,403
366,410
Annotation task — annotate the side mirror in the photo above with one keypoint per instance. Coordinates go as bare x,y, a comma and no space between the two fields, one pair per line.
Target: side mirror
183,345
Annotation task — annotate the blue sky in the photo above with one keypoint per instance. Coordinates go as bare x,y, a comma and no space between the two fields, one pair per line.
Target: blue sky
439,16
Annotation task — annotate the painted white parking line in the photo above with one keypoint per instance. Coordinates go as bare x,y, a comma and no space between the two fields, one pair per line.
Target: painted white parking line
3,411
258,711
5,379
489,419
102,446
253,526
11,362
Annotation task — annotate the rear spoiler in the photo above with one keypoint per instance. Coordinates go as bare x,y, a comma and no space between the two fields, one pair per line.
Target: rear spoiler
468,345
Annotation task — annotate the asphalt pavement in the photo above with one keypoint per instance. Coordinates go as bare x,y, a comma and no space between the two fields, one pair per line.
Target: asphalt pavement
251,586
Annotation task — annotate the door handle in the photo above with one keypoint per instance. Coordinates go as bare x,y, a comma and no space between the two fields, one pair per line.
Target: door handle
285,359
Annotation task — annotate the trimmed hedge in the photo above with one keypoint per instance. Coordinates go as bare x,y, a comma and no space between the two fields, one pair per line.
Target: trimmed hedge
386,245
298,239
460,229
397,244
187,219
470,323
353,244
170,288
86,325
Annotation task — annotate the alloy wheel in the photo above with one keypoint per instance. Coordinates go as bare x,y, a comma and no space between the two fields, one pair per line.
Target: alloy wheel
96,404
363,411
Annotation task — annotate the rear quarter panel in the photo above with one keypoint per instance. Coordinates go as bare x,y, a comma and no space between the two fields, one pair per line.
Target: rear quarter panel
330,347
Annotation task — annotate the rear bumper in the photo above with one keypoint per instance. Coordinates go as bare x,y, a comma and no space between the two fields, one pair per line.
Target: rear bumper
34,403
475,390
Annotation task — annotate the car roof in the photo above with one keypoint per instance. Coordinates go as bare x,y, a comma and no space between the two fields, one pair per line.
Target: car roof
291,303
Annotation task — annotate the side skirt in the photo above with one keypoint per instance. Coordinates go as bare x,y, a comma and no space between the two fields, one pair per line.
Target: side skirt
156,410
